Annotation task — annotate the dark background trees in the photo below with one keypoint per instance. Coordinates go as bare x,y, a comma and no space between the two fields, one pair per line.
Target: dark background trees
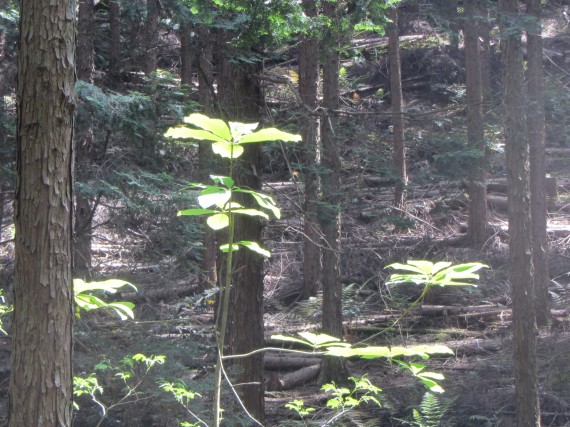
143,66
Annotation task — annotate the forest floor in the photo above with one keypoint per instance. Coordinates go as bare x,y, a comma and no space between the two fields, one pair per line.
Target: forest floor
474,322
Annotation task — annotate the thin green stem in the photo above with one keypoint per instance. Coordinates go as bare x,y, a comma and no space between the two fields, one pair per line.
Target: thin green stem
222,321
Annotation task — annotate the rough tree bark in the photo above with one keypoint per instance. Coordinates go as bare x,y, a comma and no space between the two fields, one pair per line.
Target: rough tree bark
397,102
333,369
41,374
240,95
476,188
308,90
537,142
521,271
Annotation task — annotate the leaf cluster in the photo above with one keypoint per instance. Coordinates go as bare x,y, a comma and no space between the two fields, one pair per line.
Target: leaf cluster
86,298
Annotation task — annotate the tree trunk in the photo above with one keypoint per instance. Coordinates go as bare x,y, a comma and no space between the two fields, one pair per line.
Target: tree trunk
485,27
397,101
536,136
151,28
206,159
241,97
308,90
186,53
114,39
524,324
477,224
84,206
41,374
334,368
450,13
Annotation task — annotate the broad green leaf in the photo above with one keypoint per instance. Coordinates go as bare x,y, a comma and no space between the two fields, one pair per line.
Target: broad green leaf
269,134
215,126
418,278
110,286
224,149
433,349
430,384
195,212
214,196
434,375
254,246
251,212
312,340
185,133
287,338
240,129
224,180
218,221
225,248
123,309
425,266
439,266
405,267
263,200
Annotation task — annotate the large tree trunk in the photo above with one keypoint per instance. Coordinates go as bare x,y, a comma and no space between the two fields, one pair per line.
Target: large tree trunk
308,90
206,159
524,325
240,95
333,369
41,374
397,101
536,135
477,224
84,206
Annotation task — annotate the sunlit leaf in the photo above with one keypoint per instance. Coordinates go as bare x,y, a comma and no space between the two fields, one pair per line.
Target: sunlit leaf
186,133
251,212
215,126
195,212
269,134
111,286
254,246
225,248
218,221
224,180
214,196
224,149
240,129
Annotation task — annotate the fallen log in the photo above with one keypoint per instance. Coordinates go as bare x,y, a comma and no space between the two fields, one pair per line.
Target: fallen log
475,346
294,379
289,361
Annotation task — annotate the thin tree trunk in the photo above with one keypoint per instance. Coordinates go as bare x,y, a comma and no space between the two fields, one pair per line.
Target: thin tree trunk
84,206
308,90
485,28
151,28
477,224
114,39
521,271
41,390
206,159
186,54
536,135
333,369
397,101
